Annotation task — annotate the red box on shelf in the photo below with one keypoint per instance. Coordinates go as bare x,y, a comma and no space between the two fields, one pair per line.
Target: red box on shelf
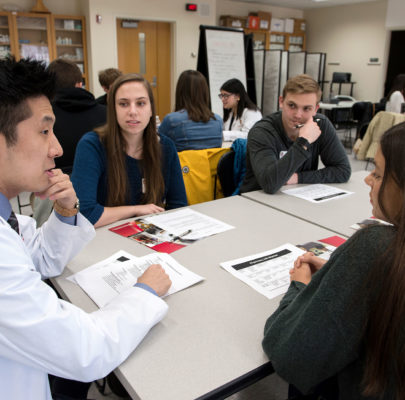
253,22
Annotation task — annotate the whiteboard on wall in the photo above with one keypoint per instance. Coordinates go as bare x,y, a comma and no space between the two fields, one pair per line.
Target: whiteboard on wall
226,60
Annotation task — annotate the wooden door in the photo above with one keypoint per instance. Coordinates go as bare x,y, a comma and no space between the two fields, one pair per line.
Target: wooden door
144,47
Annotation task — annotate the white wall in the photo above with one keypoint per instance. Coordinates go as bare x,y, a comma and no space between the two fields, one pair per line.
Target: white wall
351,35
396,15
103,50
227,7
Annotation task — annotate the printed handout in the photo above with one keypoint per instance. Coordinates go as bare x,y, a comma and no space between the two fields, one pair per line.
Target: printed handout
168,232
266,272
369,222
317,193
197,225
105,280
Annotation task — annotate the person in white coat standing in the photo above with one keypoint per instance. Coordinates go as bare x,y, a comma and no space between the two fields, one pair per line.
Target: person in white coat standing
41,334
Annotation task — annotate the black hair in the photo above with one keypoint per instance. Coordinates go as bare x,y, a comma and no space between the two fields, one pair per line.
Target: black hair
19,81
235,86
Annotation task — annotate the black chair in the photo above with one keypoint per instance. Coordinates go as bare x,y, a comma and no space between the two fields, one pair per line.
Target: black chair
225,173
342,78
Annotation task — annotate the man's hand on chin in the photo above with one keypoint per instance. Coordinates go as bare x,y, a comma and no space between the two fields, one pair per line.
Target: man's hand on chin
60,188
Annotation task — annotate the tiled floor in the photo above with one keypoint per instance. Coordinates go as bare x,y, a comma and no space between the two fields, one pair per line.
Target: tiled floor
270,388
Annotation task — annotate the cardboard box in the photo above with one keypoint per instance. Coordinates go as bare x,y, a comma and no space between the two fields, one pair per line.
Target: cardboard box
289,25
232,21
299,26
253,22
265,18
277,25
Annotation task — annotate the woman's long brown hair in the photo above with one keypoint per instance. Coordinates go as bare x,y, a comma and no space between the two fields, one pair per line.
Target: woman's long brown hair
385,334
192,95
115,145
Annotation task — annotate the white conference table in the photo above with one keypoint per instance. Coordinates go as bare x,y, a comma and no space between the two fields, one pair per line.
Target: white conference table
333,106
209,344
336,215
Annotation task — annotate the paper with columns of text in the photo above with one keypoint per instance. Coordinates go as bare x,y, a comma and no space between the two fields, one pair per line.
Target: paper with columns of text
105,280
267,272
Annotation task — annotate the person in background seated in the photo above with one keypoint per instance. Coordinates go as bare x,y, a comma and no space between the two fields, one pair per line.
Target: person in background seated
193,126
124,169
284,147
106,77
240,113
395,96
75,108
339,331
40,333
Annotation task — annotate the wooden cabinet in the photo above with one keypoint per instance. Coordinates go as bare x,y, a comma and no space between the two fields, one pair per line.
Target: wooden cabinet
277,40
7,43
44,37
69,35
32,36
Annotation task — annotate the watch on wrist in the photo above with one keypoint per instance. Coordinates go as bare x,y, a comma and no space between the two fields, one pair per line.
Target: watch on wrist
303,142
66,212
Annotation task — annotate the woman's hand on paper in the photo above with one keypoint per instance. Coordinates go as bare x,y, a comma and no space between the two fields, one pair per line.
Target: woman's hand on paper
305,266
146,209
315,263
156,277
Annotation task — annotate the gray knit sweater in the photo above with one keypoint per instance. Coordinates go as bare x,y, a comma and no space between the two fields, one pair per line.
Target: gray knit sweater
317,331
272,157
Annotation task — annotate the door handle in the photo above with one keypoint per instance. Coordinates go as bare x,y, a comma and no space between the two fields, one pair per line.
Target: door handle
154,82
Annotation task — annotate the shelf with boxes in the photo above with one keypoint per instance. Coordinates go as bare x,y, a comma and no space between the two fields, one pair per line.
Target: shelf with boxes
268,32
70,40
44,37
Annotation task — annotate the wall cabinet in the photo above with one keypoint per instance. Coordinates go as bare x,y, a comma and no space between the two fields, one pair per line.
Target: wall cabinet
44,37
33,36
7,44
277,40
70,40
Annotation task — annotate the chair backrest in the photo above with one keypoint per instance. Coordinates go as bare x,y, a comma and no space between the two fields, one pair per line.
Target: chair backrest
199,169
341,77
226,174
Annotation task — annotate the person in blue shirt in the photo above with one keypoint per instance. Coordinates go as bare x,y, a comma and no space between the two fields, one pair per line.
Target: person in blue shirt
193,126
124,168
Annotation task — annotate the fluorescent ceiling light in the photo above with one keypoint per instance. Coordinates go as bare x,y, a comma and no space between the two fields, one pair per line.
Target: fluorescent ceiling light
318,1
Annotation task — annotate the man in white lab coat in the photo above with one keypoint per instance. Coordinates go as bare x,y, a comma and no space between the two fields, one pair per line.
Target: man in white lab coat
39,333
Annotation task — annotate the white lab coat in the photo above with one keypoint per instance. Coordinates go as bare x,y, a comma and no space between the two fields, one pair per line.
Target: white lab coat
241,126
41,334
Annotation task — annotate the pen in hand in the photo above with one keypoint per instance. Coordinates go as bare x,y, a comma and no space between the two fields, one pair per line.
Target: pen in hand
181,235
301,125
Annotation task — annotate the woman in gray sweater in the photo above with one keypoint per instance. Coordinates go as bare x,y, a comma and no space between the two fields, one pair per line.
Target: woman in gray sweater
339,331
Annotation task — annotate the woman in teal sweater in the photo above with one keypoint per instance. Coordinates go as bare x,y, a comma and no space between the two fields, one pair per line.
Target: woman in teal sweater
125,169
339,331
